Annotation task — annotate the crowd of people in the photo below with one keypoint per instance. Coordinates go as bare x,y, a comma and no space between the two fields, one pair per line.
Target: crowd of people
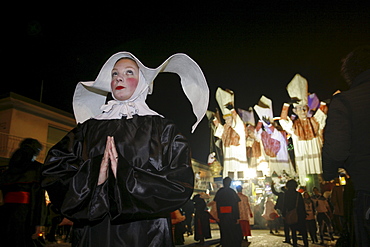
119,175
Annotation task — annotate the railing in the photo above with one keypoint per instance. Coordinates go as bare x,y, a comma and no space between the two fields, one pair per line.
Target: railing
10,143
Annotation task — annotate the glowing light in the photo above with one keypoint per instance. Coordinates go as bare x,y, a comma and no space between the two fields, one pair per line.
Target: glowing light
237,183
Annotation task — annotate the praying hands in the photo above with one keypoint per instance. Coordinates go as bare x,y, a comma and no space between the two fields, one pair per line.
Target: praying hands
110,158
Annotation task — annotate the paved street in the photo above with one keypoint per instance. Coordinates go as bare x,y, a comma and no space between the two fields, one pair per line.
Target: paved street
260,238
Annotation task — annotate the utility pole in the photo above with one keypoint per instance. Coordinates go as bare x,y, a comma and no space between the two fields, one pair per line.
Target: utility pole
42,88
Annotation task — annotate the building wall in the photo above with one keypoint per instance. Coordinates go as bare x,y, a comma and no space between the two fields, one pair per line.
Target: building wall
25,118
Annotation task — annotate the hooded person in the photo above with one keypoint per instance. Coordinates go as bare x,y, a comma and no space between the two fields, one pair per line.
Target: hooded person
124,168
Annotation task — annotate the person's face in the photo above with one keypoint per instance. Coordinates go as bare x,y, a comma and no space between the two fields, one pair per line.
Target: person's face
306,195
125,77
316,191
301,111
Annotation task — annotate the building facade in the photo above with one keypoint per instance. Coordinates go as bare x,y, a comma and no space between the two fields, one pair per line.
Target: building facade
21,117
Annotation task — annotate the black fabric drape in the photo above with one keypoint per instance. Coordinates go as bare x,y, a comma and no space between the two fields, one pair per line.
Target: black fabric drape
154,174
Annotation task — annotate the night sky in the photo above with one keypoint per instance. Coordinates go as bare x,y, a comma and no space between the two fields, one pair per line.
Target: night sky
253,49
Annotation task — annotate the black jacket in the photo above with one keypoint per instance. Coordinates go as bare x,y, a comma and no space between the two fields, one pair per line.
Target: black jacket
347,134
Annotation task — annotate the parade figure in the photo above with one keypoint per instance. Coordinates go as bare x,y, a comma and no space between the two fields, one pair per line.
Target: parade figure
227,202
306,131
254,153
124,168
21,215
232,134
274,141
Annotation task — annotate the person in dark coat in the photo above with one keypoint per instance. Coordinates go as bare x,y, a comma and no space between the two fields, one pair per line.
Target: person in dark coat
347,137
202,228
21,215
280,206
188,209
293,199
228,212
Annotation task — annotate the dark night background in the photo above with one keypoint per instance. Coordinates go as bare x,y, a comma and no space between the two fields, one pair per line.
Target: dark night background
250,48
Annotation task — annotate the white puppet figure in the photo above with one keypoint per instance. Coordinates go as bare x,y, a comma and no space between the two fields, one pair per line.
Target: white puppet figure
274,141
254,153
232,134
306,131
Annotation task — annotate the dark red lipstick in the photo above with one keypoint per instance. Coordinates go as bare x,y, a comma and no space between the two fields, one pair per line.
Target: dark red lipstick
119,87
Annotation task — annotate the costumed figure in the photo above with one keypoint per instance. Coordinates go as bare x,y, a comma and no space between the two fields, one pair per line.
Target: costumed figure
214,165
24,199
254,150
271,215
306,131
215,143
274,141
124,168
245,213
232,134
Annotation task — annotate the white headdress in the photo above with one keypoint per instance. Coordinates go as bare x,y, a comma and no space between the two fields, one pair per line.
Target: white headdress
298,89
264,108
223,98
89,97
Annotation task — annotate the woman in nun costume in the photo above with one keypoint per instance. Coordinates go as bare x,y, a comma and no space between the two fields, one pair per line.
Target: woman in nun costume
124,168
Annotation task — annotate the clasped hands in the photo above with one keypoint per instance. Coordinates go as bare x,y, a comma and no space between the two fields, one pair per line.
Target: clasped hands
110,158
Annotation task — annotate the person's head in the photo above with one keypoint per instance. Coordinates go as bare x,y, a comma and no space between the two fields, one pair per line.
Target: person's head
306,195
125,78
316,191
227,182
301,111
31,144
239,188
291,184
355,63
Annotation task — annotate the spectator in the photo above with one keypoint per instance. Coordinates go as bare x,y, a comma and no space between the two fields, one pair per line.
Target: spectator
323,212
188,209
201,220
311,216
294,200
21,215
337,202
280,206
346,139
178,227
228,212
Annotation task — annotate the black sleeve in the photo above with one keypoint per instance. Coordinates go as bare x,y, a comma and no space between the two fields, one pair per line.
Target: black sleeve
71,179
165,187
337,137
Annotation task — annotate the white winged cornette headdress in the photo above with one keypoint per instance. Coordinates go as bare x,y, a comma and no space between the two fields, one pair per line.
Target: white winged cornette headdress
89,97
